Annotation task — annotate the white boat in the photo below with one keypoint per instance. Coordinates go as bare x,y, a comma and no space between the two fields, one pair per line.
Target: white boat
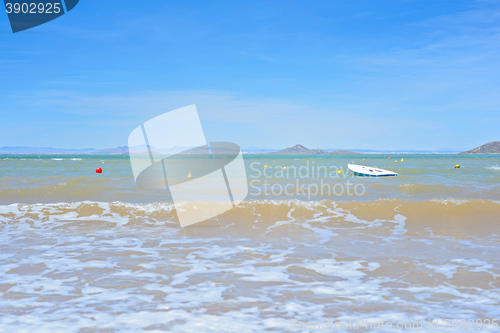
365,171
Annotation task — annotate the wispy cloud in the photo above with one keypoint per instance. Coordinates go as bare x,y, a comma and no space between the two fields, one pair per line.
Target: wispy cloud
226,116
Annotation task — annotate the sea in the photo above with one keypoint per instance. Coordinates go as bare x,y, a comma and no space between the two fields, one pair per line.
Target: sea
312,248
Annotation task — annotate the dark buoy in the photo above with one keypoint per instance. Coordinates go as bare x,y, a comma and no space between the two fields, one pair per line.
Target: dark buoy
98,170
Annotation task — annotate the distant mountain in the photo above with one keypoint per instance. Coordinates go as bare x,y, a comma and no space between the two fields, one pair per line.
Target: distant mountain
300,149
450,150
45,150
213,150
142,149
395,151
60,151
118,150
342,152
256,150
489,148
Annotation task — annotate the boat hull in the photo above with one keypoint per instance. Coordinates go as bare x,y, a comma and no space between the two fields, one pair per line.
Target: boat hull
364,171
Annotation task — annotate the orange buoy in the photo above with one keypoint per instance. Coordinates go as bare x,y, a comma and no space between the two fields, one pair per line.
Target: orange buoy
389,157
98,170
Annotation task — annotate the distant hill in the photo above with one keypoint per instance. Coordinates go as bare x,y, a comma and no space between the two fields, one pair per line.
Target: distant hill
256,150
489,148
300,149
58,151
45,150
343,152
122,150
118,150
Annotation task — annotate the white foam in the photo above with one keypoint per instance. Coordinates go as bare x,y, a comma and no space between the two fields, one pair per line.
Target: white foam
423,240
448,270
64,270
451,201
399,229
346,270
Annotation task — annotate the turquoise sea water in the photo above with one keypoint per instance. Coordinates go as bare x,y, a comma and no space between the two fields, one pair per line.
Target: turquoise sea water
45,179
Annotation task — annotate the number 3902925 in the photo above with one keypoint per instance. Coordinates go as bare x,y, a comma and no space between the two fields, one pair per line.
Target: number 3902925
33,8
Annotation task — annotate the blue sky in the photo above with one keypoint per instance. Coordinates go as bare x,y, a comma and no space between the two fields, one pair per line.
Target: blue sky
269,74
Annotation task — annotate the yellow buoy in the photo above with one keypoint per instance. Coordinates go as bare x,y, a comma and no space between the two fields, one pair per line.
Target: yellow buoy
363,160
265,166
457,166
339,172
402,160
189,174
395,161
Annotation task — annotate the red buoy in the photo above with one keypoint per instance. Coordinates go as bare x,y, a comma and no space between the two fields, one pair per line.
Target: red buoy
98,170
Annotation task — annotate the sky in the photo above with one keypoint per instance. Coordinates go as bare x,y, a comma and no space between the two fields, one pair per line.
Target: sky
268,74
